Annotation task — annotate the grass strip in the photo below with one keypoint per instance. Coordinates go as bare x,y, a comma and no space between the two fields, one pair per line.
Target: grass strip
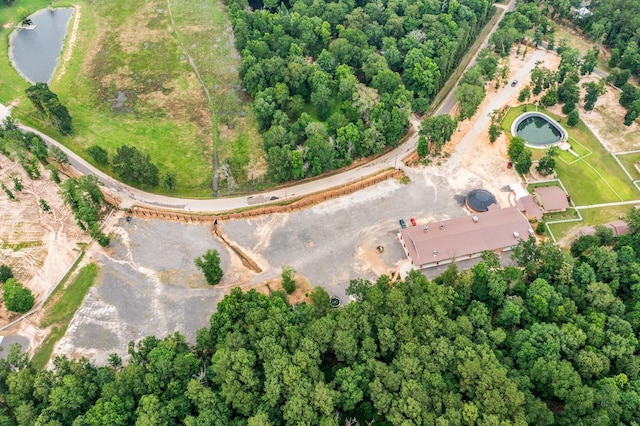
61,307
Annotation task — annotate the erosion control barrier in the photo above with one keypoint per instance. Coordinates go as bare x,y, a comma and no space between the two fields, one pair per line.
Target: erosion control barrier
299,204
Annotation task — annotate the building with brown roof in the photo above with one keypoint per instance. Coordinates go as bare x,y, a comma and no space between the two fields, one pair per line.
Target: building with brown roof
618,227
529,207
552,198
464,237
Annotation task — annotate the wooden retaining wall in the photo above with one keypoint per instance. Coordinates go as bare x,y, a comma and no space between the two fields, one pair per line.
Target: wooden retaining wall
301,203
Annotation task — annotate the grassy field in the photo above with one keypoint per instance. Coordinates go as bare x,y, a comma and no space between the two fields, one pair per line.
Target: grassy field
591,217
60,308
629,161
129,82
592,177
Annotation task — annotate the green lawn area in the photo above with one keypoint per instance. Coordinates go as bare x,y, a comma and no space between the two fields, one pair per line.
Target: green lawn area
594,177
129,48
60,308
591,217
628,161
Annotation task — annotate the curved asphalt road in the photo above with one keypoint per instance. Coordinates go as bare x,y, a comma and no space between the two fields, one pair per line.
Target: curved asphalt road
131,196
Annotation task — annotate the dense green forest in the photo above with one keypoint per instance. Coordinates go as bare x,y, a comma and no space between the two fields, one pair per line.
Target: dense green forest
334,81
615,24
549,341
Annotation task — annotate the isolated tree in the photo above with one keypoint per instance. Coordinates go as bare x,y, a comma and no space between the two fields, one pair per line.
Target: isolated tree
618,77
288,283
494,132
99,154
437,130
209,264
524,94
469,97
593,91
547,163
516,146
134,166
16,297
423,147
44,205
58,154
523,161
5,273
169,181
573,118
23,14
48,104
550,98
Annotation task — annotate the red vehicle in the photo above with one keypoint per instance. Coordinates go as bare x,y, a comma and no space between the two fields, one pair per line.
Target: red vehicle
413,221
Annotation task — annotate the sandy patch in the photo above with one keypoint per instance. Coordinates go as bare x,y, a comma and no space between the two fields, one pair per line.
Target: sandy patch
72,41
479,160
40,246
606,121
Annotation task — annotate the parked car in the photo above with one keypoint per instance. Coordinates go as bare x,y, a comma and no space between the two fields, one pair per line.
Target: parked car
413,221
403,223
513,83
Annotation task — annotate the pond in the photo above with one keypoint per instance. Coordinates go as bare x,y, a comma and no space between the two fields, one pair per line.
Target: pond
34,53
538,130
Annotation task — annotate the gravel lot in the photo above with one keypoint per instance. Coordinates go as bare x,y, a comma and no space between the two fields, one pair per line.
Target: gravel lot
148,284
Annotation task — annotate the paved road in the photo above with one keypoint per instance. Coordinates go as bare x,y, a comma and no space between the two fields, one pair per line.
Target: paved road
131,196
450,101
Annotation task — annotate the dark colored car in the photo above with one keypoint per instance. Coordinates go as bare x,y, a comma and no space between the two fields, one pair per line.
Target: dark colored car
403,223
513,83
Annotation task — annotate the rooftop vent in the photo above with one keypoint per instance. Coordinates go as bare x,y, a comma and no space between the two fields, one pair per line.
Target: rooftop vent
435,252
516,235
475,219
426,228
441,225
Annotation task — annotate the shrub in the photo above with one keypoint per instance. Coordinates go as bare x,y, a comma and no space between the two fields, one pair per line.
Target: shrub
541,229
5,273
288,283
209,264
573,118
550,98
99,154
16,297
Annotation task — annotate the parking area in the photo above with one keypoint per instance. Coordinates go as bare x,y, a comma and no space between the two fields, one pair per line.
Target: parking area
148,284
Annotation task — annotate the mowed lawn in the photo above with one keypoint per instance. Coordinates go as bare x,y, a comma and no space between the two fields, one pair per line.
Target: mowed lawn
129,82
591,177
591,217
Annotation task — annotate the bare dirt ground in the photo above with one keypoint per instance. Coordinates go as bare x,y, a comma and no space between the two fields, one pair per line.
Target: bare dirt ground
471,141
39,246
606,121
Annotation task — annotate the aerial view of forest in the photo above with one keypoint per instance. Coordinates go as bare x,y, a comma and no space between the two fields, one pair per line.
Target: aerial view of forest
542,333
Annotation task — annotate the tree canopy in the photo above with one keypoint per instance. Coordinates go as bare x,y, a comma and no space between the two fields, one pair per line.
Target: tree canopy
550,340
357,69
